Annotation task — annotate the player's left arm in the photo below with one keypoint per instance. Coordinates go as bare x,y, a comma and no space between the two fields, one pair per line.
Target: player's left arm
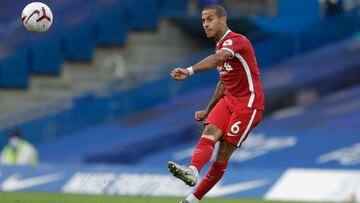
218,94
207,63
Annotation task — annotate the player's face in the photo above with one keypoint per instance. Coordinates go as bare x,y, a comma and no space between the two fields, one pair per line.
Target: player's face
211,22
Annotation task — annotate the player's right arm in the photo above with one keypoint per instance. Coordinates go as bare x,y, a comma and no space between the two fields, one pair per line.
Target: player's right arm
219,92
207,63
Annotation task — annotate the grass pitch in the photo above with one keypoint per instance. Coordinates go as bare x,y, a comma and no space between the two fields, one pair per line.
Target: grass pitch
67,198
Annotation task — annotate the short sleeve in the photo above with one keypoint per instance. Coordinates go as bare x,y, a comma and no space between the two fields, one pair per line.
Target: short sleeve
232,45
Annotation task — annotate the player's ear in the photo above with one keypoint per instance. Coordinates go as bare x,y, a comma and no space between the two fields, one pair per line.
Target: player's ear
223,19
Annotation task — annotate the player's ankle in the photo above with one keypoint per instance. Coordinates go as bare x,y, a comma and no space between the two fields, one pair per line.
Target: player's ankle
195,170
192,199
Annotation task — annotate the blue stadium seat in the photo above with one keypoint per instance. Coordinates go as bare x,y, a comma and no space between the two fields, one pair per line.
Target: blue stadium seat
144,14
79,43
14,70
112,26
47,56
171,7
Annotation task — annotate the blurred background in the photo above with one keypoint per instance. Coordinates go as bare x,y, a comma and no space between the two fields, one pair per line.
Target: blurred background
92,101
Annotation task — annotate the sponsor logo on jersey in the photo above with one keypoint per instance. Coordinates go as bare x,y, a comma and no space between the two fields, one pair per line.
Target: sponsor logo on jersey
224,69
231,135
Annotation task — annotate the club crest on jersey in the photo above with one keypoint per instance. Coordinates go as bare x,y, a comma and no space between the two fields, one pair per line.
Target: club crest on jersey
228,42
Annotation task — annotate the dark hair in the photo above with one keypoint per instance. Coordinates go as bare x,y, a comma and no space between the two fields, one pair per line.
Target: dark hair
220,10
15,133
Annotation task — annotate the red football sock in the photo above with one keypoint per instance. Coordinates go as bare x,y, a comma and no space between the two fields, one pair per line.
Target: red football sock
202,153
213,175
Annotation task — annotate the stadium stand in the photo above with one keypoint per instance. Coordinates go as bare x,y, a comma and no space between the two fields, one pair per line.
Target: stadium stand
121,136
65,73
137,122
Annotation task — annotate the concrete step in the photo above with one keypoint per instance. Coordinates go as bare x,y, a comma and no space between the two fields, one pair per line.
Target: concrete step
144,51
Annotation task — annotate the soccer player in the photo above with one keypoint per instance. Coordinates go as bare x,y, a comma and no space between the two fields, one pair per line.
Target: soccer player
235,108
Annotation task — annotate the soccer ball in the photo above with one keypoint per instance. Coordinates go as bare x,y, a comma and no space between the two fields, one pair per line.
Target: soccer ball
37,17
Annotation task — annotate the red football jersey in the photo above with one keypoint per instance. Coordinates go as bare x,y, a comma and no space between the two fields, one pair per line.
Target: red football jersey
240,75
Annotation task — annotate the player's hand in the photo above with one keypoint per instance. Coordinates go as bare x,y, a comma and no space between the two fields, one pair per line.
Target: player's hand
201,115
179,74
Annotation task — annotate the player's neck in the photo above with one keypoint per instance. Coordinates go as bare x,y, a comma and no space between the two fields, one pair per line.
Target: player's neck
221,34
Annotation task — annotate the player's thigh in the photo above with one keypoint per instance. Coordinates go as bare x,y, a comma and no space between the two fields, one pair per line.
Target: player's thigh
212,132
217,121
225,151
240,125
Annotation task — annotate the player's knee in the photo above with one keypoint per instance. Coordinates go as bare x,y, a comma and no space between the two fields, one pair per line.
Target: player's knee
211,129
223,156
225,151
212,132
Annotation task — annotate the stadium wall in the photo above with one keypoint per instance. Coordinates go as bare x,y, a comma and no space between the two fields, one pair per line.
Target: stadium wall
47,121
294,184
75,36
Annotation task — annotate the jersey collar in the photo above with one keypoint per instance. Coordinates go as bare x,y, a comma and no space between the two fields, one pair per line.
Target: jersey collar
223,36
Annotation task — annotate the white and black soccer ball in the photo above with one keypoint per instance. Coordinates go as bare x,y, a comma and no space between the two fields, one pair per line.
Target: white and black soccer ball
37,17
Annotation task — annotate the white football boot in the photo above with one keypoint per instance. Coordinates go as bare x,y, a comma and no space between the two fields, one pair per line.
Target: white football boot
184,173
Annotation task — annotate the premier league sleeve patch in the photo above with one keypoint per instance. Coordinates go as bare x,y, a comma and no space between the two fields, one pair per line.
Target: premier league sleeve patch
228,42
